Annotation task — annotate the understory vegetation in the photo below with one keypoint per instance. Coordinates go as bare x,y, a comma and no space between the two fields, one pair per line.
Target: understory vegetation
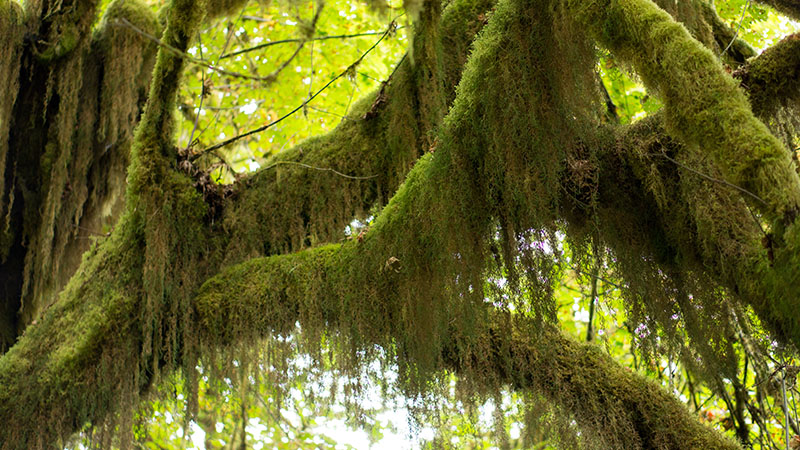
528,223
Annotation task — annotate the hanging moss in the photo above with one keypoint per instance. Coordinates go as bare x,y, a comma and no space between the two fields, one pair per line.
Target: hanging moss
713,114
128,61
217,8
107,78
393,277
605,399
11,33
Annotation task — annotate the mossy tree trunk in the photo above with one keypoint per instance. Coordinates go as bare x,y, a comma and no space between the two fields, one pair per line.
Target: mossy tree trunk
180,272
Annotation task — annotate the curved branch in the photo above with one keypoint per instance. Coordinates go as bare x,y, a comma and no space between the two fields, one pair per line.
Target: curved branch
713,113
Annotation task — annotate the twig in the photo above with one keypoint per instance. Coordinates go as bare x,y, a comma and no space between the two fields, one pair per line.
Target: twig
593,295
325,111
322,169
286,41
736,33
298,108
191,59
715,180
598,277
274,75
203,94
203,88
785,404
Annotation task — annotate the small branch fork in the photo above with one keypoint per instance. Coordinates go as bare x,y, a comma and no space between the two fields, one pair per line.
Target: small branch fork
287,41
191,59
351,68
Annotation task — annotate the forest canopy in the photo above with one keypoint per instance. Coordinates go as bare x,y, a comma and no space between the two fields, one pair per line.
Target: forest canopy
584,214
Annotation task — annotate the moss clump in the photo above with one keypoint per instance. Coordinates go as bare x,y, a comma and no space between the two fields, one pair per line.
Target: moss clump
128,59
218,8
713,114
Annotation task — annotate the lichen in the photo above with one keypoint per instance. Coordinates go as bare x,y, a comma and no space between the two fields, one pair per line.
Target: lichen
11,34
128,57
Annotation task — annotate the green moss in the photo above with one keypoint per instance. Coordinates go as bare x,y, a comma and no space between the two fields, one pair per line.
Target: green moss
707,112
66,41
519,153
128,62
75,343
788,7
11,15
11,34
704,107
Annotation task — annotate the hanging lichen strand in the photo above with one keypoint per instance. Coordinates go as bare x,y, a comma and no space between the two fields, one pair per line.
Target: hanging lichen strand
11,33
67,152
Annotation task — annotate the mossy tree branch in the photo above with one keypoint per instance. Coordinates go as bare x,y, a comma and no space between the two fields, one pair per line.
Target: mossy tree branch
706,110
619,408
524,119
287,208
672,64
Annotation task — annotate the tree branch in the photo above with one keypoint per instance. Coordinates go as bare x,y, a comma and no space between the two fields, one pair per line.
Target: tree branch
279,210
770,78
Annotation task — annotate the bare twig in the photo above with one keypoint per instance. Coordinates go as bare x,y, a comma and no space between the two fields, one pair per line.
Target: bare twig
738,28
323,169
350,68
604,280
287,41
203,93
712,179
274,75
